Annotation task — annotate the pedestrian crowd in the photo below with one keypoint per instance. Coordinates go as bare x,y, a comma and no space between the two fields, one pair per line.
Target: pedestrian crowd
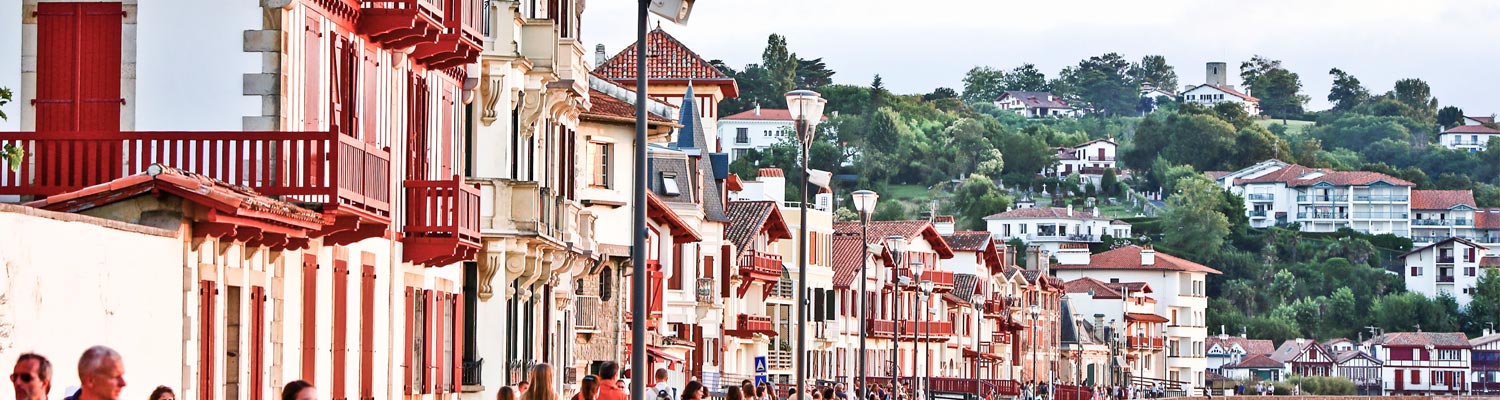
101,376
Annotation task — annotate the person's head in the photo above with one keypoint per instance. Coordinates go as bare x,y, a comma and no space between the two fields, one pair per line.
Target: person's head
299,390
609,371
760,391
541,378
163,393
828,393
590,387
524,385
506,393
692,391
745,382
735,393
102,374
661,375
816,395
838,387
32,377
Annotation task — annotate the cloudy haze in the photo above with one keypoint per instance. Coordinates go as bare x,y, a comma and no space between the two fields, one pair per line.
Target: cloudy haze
918,45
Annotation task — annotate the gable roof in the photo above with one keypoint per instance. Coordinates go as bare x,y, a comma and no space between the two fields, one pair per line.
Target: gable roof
1442,242
1227,90
848,258
1044,212
1296,175
1487,218
1035,99
909,229
610,102
1488,119
1346,355
964,286
1129,258
1484,340
1472,129
968,240
1256,361
668,60
1251,346
764,114
750,218
1441,199
658,210
1420,339
1291,349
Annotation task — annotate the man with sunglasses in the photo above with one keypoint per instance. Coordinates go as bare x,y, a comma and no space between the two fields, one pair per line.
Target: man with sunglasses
32,377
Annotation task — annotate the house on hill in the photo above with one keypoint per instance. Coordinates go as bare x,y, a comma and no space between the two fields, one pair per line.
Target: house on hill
1217,90
1035,104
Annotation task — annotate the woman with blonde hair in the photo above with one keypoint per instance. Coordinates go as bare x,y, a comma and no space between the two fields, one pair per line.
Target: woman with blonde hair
541,384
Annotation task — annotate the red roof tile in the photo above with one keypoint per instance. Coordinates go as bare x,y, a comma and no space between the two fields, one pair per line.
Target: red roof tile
1472,129
750,218
1084,285
764,114
668,60
1490,119
968,240
1256,361
1419,339
1251,346
614,109
771,172
1440,199
1490,261
848,259
912,229
1044,212
1233,92
1487,218
203,189
1443,242
658,210
1129,258
1293,176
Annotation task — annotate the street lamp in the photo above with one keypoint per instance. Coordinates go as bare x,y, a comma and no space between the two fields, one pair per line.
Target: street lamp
978,300
864,202
1036,312
806,107
924,300
897,245
916,277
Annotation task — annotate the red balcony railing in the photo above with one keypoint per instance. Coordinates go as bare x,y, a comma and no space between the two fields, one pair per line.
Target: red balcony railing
442,221
1144,342
399,24
309,167
996,308
759,267
747,325
459,40
942,281
911,330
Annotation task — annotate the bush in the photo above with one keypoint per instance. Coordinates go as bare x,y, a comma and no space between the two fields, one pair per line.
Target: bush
1319,385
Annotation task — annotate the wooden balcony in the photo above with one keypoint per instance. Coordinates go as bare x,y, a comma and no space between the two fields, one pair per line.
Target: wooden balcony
942,281
460,39
757,266
746,326
1141,342
996,307
442,222
911,331
345,178
399,24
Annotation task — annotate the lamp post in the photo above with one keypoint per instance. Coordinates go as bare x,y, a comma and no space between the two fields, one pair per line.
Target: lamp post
897,244
806,107
864,202
978,300
916,276
1036,311
925,300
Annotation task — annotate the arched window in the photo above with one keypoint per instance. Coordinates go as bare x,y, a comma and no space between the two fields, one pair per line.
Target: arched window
606,283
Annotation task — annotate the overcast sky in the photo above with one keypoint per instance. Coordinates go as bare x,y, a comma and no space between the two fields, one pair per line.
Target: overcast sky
918,45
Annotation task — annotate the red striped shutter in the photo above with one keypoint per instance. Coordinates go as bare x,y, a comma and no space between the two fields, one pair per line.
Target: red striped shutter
312,41
340,327
458,342
309,317
370,107
728,272
367,332
428,346
411,325
207,322
677,273
99,66
257,342
447,137
57,66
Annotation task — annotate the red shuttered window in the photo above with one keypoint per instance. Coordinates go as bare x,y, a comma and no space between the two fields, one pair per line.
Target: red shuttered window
312,42
675,283
309,317
369,106
432,335
340,328
458,342
78,66
367,332
257,342
208,295
344,82
418,159
408,384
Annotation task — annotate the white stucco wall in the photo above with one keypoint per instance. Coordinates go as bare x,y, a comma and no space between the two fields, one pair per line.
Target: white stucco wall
71,282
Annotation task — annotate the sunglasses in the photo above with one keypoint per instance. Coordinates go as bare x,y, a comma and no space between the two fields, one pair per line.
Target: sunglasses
24,378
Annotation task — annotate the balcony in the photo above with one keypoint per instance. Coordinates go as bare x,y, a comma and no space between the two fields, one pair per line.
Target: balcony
747,326
1141,342
1322,215
347,179
399,24
589,314
1098,158
459,40
1257,213
1381,215
1431,222
1260,197
758,266
911,330
1445,279
1382,198
996,308
1339,197
942,281
442,222
539,43
1445,259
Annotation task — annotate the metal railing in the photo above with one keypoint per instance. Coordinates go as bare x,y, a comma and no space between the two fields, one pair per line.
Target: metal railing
1304,198
1322,215
1382,197
1258,213
1260,197
587,312
1381,215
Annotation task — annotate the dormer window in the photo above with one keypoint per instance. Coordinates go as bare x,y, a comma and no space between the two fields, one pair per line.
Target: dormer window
669,184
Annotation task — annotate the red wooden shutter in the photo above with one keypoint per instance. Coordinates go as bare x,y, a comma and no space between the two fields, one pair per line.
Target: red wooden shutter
57,66
411,330
340,327
257,342
677,255
99,66
207,322
417,142
728,263
342,83
447,137
429,346
309,317
458,342
312,41
78,66
370,107
367,332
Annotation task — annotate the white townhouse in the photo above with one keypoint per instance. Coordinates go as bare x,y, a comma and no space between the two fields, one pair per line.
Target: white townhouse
1321,200
1216,89
1051,227
1441,214
1225,349
1422,363
1089,160
1035,104
1472,138
1451,266
756,129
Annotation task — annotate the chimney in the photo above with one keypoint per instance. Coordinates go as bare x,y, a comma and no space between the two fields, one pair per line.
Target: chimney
943,224
1299,342
598,55
1037,259
1148,255
1096,212
1070,210
1098,322
757,109
773,183
1216,73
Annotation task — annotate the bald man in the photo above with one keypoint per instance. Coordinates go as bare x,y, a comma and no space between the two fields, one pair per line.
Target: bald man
102,372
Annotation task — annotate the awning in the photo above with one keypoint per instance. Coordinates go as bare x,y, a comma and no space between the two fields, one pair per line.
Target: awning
1143,317
658,353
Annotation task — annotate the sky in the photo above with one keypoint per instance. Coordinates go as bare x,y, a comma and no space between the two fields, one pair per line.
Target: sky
916,46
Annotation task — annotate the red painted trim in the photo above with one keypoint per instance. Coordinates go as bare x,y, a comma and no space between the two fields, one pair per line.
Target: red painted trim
309,316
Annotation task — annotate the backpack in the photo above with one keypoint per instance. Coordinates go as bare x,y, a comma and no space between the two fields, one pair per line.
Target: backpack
662,394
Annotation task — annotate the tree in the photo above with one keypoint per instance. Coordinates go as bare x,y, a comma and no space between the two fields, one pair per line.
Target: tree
877,92
889,211
983,84
1416,94
940,93
1450,116
1110,183
1102,85
1257,66
813,73
12,153
967,144
780,64
1026,154
1346,92
1192,223
1025,78
1153,71
1484,306
1279,93
978,197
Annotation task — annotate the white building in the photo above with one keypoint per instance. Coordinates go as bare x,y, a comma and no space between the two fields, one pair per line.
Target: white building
1224,349
1035,104
1422,362
1089,159
1051,227
1441,214
1217,90
1178,287
1321,200
756,129
1470,138
1452,266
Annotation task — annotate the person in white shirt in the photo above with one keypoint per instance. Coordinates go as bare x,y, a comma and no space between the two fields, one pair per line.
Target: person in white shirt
660,389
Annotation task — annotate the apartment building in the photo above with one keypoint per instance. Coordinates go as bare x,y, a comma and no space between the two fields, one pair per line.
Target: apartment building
1450,267
1321,200
1054,227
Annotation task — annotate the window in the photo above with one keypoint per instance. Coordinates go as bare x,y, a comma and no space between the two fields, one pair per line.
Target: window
740,153
1416,271
669,184
742,135
78,66
602,164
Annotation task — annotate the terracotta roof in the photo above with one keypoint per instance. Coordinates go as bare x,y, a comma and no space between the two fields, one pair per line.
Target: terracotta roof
765,114
1472,129
1044,212
1231,92
1346,355
1483,340
1441,199
1290,349
1215,175
610,108
1251,346
750,218
942,218
1129,258
668,60
1293,176
1085,284
1036,99
1419,339
1146,317
1491,261
1256,361
847,259
219,195
1442,242
771,172
910,230
1490,119
963,287
1487,218
968,240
